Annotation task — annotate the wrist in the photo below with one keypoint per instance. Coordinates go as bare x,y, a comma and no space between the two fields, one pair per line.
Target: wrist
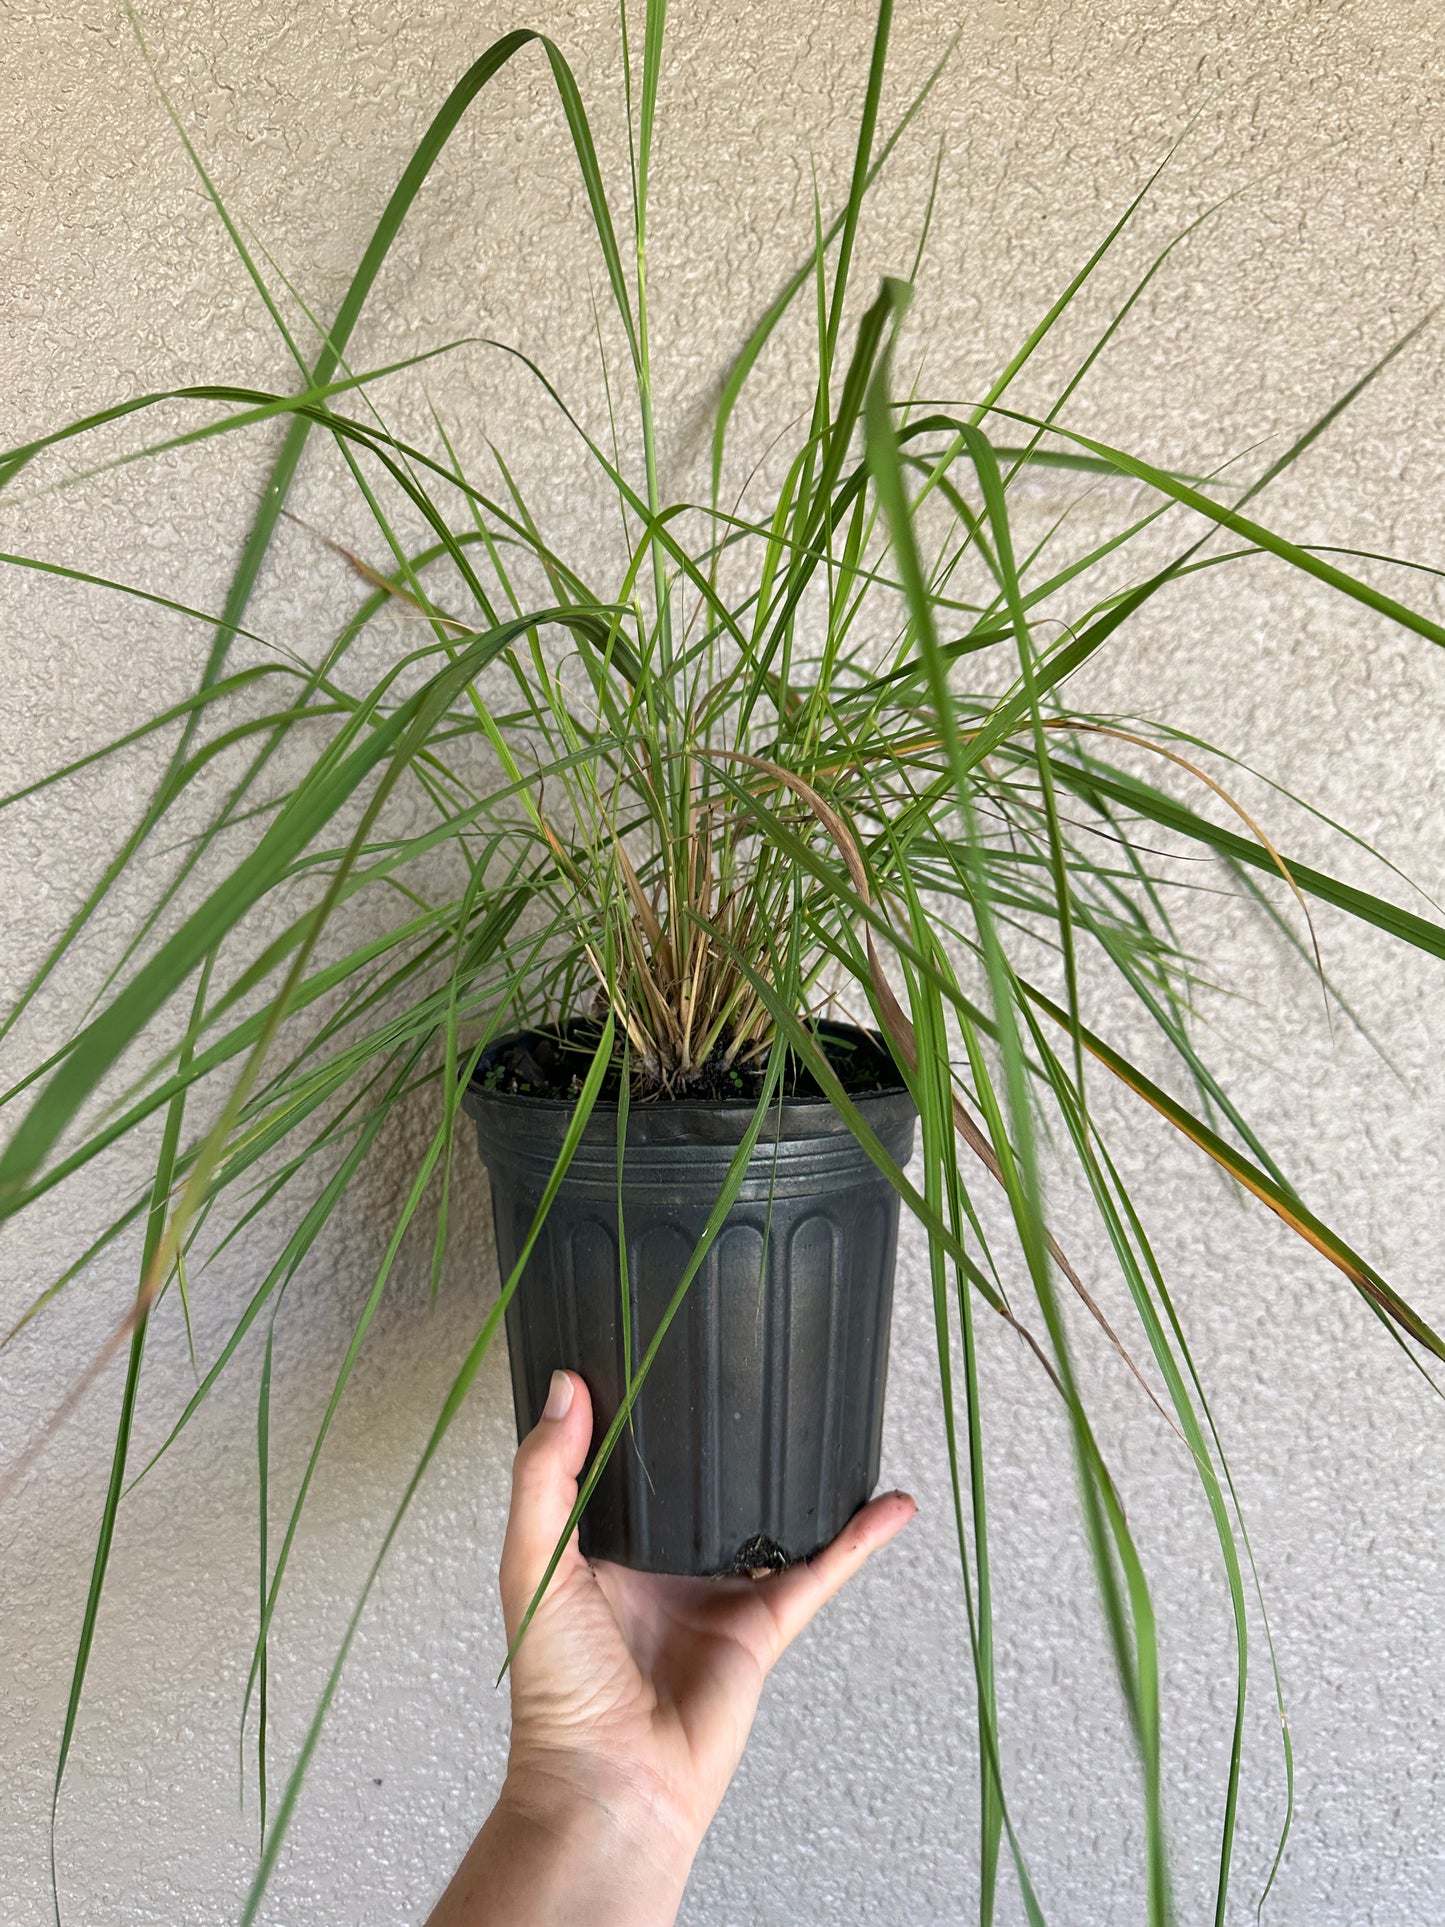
552,1854
625,1835
578,1857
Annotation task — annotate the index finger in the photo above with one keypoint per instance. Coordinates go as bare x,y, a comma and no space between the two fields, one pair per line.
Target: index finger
795,1595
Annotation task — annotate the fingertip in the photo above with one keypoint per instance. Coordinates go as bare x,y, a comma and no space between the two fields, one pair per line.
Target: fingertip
895,1511
568,1405
893,1504
882,1519
559,1439
560,1394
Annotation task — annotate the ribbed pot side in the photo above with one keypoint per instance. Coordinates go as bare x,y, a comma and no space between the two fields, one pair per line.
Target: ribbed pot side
756,1434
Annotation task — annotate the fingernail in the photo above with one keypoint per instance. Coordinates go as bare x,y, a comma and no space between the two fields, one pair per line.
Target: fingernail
559,1397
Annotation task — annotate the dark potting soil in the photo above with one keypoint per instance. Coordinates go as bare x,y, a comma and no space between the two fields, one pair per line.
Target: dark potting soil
757,1556
553,1063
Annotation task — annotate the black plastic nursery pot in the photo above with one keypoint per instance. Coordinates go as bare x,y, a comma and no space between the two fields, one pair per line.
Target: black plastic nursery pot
755,1436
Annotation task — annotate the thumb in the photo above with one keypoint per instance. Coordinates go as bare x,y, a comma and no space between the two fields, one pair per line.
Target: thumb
544,1491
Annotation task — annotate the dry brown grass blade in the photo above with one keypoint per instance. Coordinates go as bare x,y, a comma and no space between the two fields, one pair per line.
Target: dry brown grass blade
901,1034
1300,1221
1080,727
646,915
14,1478
660,1009
1240,1172
638,1038
375,578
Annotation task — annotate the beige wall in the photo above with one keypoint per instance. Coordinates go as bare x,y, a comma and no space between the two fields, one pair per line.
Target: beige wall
855,1802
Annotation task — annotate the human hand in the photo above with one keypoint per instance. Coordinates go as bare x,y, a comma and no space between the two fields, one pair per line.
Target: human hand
632,1697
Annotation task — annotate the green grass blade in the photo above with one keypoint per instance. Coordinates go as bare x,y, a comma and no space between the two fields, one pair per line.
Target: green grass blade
461,1385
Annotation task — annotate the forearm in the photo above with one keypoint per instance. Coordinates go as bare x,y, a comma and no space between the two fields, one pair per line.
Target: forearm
546,1859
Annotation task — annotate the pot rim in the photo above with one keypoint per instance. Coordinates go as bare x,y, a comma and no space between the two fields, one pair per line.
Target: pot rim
665,1126
678,1107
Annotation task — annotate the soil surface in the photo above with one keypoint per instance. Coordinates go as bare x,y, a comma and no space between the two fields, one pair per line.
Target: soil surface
553,1063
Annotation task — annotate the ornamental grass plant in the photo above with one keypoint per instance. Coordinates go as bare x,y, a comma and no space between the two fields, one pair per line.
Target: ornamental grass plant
806,747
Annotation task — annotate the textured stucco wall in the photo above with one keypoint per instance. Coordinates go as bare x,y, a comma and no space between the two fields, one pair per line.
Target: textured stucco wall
855,1802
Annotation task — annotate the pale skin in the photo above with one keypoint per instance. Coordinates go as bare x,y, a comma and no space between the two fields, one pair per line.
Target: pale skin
632,1698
